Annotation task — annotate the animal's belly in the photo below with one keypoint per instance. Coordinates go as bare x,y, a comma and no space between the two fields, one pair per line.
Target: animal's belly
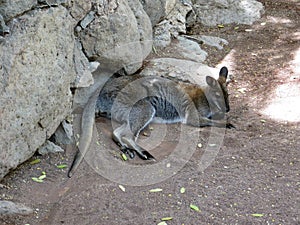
167,120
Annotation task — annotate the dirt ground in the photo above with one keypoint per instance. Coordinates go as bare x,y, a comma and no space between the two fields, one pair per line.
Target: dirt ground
255,177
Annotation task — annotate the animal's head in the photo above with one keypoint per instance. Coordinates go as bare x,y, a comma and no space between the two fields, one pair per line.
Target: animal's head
217,95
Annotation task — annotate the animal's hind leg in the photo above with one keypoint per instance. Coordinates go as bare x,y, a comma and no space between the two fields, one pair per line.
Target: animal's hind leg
143,154
120,132
140,116
125,138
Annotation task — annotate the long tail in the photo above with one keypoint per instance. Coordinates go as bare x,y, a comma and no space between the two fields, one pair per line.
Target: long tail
87,124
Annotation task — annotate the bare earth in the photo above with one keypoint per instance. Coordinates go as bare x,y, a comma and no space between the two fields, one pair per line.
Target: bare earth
255,177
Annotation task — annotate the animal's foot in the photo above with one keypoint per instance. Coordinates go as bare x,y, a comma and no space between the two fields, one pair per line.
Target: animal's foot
128,152
145,155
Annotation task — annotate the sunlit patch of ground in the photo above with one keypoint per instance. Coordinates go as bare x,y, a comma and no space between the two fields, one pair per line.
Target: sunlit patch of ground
229,61
285,103
285,107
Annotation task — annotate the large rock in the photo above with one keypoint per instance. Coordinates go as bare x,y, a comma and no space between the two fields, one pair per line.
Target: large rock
119,34
213,12
180,69
173,24
185,47
36,69
79,8
84,77
189,49
9,9
157,10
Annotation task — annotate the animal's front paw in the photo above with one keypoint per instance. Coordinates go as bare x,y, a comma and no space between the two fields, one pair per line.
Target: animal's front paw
230,126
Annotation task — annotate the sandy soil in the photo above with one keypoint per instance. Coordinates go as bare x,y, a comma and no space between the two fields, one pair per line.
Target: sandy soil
254,178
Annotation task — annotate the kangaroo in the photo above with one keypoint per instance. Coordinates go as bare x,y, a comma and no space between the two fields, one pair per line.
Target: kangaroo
135,101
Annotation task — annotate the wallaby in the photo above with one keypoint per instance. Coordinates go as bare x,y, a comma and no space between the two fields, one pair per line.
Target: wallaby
135,101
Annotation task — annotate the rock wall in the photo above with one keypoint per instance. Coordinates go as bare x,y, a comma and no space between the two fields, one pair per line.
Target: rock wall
49,47
36,69
211,13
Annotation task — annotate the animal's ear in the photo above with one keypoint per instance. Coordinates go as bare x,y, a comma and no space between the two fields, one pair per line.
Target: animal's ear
223,74
211,81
